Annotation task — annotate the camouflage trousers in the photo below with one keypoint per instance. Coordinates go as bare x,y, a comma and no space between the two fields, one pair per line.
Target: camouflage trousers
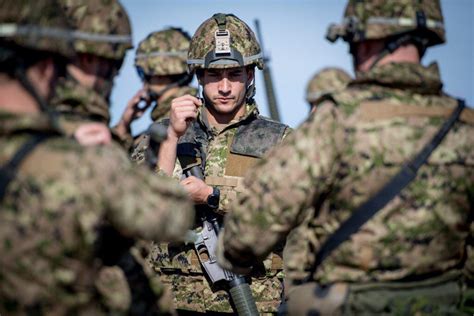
444,295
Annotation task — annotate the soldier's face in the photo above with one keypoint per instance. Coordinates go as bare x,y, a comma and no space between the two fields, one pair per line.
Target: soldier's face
226,88
157,83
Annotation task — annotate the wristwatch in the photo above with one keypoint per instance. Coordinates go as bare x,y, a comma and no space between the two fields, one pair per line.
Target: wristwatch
213,198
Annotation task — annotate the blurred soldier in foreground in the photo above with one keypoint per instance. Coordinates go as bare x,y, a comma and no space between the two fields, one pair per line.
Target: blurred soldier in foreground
415,255
222,135
59,199
83,95
160,61
323,83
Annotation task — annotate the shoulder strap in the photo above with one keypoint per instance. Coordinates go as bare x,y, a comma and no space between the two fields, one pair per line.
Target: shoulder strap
375,110
367,210
8,170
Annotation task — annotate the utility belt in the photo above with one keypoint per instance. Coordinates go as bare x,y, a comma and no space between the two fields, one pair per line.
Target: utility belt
440,295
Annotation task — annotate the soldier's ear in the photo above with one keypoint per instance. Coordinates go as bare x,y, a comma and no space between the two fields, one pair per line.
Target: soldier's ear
250,74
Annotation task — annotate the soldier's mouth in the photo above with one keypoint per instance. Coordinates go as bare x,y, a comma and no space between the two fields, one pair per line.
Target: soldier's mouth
224,100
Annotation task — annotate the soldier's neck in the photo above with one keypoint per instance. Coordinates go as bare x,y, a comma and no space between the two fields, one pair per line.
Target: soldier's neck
15,99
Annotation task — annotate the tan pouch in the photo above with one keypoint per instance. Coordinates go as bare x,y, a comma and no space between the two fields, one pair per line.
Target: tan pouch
312,299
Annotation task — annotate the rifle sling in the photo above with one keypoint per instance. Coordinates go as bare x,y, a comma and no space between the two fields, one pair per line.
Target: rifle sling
8,171
367,210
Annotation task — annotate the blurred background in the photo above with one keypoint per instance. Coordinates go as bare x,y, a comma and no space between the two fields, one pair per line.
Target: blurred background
294,40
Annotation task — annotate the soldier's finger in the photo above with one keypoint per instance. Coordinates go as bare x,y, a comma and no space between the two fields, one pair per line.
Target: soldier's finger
188,99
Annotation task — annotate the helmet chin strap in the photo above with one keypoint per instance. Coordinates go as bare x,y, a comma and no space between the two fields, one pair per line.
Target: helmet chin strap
250,93
20,75
394,44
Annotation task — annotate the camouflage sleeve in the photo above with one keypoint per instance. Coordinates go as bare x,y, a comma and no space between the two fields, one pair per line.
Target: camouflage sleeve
125,140
177,171
139,203
280,189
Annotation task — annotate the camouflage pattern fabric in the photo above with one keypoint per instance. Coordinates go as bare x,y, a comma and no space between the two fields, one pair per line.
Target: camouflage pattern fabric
162,109
103,27
178,264
379,19
71,99
77,104
337,160
40,15
326,81
159,112
51,215
242,39
163,53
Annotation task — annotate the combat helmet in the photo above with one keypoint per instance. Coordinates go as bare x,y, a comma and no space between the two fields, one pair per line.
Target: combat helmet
326,81
30,30
102,27
224,41
163,53
399,21
35,25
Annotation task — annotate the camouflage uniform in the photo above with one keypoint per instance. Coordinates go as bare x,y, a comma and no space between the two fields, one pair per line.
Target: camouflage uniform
78,104
324,82
63,199
225,163
160,111
226,153
162,53
415,255
50,220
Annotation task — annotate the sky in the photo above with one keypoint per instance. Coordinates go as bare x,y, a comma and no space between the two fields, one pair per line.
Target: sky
294,39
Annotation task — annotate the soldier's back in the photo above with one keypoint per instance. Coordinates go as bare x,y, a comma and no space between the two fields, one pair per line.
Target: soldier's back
421,235
50,216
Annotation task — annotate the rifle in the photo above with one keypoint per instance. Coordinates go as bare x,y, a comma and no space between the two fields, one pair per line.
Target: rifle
267,78
205,244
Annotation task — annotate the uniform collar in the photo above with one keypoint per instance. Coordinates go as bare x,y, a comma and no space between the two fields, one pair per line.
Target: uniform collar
408,76
251,112
71,98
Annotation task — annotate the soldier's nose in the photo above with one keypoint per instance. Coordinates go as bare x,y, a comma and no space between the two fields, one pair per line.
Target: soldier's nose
224,85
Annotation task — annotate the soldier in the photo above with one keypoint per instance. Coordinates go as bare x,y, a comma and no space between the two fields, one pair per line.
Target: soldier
160,61
223,134
415,255
324,82
59,199
83,94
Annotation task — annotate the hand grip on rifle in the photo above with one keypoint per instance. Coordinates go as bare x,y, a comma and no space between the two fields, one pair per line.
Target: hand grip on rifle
205,245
